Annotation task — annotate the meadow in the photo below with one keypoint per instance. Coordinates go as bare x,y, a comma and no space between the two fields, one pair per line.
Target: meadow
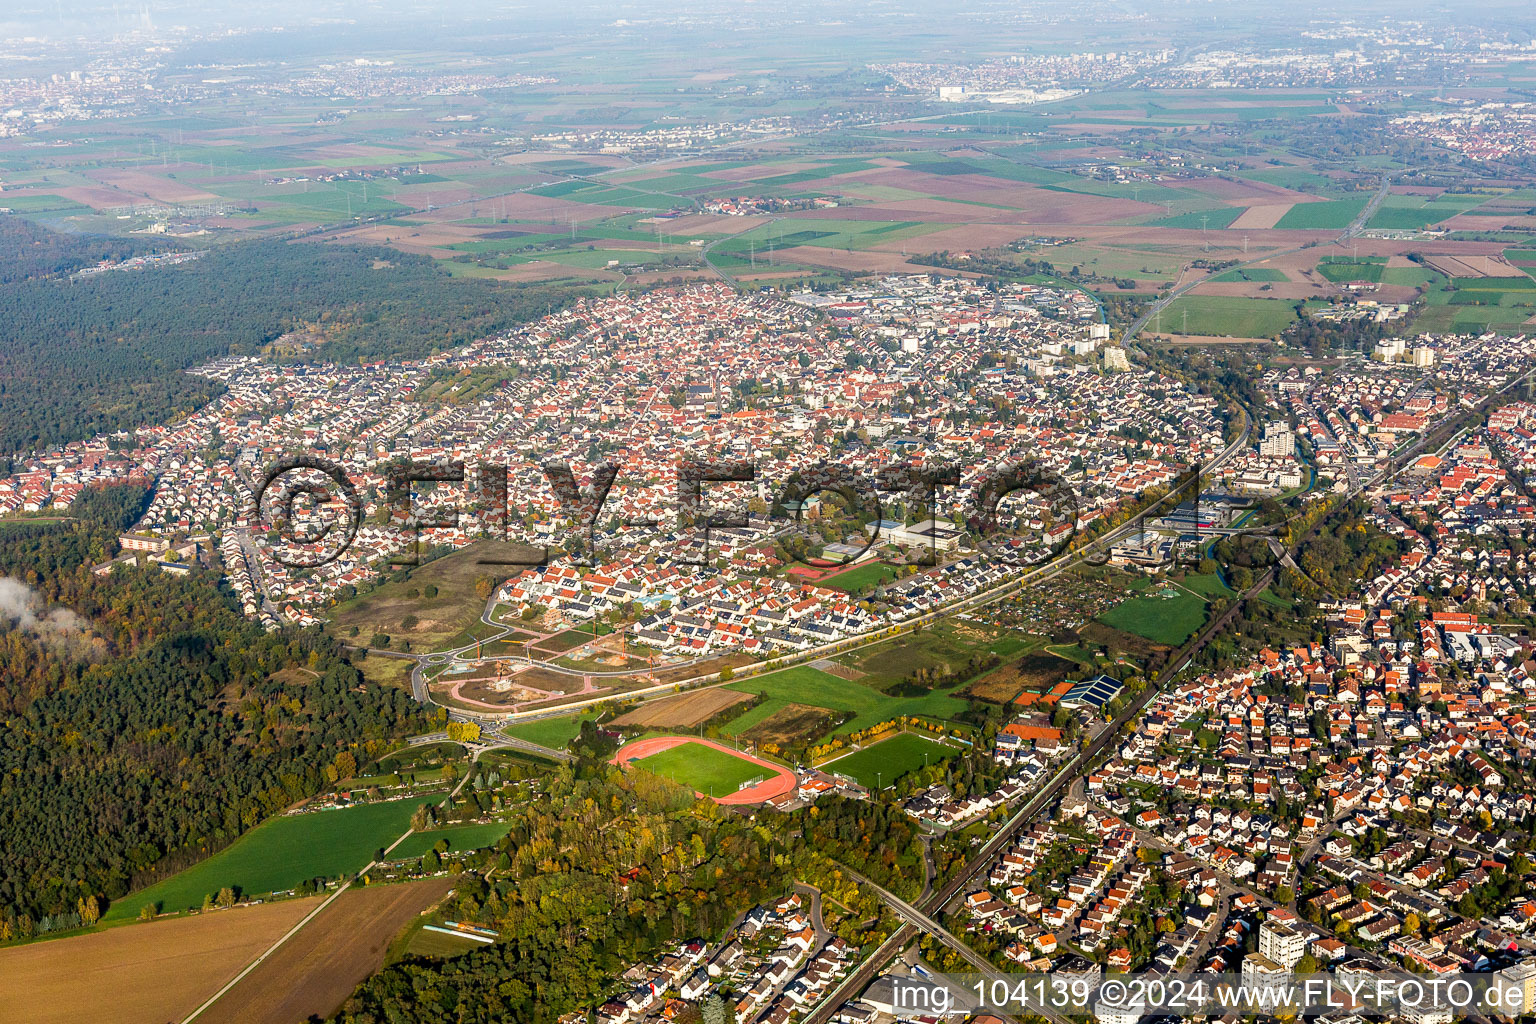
1223,315
467,837
1168,614
279,854
813,687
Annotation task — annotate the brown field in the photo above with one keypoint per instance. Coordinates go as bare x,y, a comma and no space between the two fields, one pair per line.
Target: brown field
791,725
841,259
314,972
140,973
683,711
1467,265
753,171
709,224
972,236
1036,673
1266,216
154,186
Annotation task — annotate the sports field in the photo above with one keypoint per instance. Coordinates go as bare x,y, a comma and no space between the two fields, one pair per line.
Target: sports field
702,769
885,762
861,576
708,768
281,853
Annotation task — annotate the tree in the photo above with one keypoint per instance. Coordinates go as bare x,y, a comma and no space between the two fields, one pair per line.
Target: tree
716,1012
485,586
464,732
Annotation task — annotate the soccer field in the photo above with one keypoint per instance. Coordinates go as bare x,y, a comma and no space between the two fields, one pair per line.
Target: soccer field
885,762
702,769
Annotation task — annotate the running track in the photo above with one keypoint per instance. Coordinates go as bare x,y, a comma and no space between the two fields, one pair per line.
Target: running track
780,781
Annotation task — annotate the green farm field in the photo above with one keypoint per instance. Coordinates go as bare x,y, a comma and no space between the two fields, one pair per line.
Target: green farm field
1223,315
882,764
1329,215
279,854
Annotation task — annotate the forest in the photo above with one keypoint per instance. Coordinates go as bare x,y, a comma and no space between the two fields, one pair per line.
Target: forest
32,251
144,723
84,357
603,871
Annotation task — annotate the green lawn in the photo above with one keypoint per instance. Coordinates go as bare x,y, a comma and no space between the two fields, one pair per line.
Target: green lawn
551,732
467,837
1167,615
860,576
281,853
1223,315
703,769
806,685
888,760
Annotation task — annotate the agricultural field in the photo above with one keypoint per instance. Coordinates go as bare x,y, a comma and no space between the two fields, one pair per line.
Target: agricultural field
1475,304
701,768
683,711
279,854
139,974
880,765
1329,215
1254,275
1416,212
314,972
1221,316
